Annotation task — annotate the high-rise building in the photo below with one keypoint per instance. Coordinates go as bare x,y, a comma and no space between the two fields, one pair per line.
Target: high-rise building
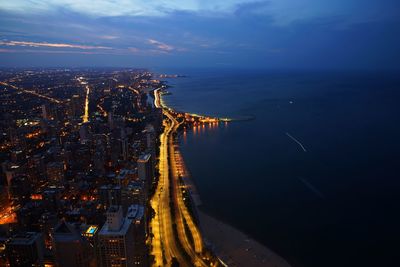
12,171
110,120
133,194
20,189
151,142
45,112
136,214
150,137
116,240
71,249
110,195
98,162
55,172
84,134
51,198
146,170
39,167
17,155
25,249
13,136
75,106
90,232
124,148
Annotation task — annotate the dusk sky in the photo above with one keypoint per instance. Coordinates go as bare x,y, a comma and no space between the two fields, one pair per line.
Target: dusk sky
274,34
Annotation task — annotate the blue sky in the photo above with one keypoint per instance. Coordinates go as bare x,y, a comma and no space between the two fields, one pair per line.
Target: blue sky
274,34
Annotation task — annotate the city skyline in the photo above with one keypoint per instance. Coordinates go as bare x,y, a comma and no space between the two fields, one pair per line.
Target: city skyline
195,133
91,168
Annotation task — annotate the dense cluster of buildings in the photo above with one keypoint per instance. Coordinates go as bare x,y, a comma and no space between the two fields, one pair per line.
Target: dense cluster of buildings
75,190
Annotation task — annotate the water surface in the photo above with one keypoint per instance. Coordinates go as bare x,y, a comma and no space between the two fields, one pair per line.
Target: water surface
335,204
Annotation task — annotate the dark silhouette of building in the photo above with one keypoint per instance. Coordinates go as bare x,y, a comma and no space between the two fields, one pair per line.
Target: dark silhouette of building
25,249
71,249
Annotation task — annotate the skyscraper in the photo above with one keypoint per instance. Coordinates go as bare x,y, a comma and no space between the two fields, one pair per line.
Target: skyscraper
116,240
84,134
110,195
146,170
75,106
71,249
136,214
25,249
45,112
55,172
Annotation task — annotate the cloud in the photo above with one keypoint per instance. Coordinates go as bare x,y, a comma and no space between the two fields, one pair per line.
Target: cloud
19,51
282,12
110,8
161,46
146,47
6,50
276,33
52,45
134,50
109,37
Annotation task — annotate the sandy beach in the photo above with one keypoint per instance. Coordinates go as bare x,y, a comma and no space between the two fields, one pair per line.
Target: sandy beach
235,248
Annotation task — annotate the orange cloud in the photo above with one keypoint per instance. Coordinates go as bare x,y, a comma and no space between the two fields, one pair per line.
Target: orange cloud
52,45
161,46
134,50
6,50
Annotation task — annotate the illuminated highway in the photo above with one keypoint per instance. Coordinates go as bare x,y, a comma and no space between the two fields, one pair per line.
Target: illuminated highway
157,99
85,117
7,215
182,214
32,93
165,243
86,112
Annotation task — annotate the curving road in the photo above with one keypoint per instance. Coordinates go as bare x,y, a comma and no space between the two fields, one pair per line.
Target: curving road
181,211
165,245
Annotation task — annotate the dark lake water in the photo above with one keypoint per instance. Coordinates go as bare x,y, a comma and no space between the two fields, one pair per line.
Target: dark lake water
335,204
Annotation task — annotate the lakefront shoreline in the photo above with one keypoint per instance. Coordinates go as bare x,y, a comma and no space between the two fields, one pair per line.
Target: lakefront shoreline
233,247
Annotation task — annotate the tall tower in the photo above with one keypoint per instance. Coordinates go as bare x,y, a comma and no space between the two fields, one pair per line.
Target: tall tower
25,249
45,112
75,105
71,249
116,240
146,170
55,172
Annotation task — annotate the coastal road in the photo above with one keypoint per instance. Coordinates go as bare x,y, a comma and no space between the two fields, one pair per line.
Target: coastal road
165,243
182,213
157,99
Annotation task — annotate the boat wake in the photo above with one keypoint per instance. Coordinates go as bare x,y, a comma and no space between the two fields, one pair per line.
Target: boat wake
297,141
311,187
